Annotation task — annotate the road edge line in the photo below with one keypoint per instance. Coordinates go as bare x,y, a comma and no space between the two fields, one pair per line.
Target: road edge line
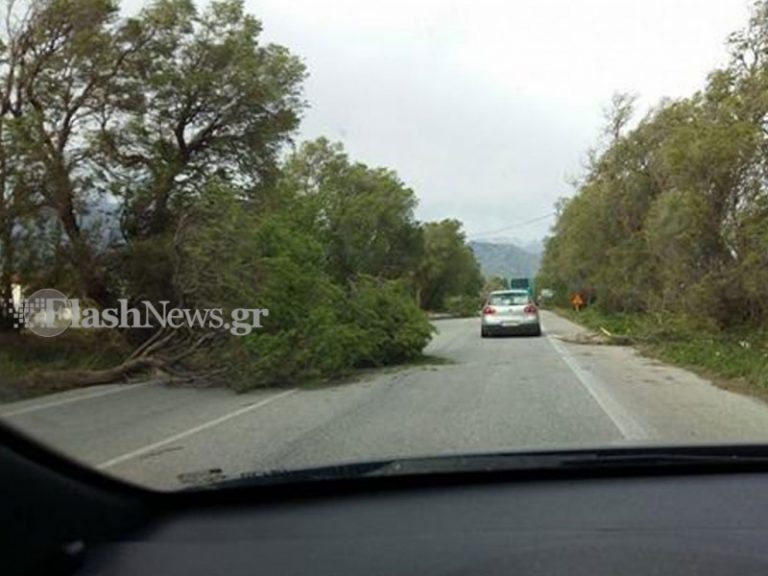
191,431
628,426
71,400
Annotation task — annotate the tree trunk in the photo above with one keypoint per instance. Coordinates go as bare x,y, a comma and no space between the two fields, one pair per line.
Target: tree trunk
161,215
90,279
6,268
66,379
162,353
7,250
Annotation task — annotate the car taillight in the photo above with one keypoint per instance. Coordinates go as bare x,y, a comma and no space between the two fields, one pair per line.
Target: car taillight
489,310
530,309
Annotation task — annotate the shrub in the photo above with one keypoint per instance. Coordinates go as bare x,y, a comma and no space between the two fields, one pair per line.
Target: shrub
317,327
305,336
463,306
394,328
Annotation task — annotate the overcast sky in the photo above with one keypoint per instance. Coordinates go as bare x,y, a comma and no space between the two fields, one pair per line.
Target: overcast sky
487,108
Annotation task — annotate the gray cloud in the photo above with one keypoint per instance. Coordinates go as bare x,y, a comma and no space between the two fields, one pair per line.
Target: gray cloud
486,108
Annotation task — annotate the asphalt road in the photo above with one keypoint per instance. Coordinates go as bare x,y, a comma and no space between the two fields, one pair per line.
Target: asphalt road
490,394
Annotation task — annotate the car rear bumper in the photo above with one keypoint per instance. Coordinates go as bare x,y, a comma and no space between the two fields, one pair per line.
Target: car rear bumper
500,326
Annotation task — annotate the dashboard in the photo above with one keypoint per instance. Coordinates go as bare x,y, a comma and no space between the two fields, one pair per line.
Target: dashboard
668,525
61,519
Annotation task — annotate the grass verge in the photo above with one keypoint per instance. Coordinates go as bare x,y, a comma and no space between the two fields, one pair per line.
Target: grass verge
735,359
22,355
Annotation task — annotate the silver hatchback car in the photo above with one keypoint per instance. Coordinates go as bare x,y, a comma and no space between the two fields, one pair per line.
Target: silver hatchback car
510,312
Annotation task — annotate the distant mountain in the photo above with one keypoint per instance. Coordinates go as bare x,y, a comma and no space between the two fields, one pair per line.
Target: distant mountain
505,259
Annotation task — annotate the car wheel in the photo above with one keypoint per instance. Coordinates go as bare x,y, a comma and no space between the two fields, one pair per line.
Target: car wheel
536,331
483,333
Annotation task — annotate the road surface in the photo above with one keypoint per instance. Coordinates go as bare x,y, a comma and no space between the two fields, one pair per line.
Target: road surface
489,394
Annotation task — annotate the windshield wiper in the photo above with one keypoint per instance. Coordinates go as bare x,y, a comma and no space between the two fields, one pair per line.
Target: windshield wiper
616,459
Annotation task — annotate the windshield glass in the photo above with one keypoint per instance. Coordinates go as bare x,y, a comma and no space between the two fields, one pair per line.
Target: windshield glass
238,237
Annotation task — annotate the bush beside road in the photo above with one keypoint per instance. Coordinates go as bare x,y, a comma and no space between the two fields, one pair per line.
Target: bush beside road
24,356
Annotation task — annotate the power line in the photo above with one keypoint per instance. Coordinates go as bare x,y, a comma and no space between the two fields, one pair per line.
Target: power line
513,226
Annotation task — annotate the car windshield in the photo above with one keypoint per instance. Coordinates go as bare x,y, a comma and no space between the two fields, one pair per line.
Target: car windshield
240,237
508,299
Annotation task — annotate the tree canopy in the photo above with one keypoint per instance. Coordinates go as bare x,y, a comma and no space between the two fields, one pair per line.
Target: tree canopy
672,215
152,158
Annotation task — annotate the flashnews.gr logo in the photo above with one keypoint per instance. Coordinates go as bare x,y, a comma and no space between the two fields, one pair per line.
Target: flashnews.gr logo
46,313
49,313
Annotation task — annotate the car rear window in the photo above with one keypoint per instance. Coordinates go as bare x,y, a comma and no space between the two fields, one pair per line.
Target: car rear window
511,299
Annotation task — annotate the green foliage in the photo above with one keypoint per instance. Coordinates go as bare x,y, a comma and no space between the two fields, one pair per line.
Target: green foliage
26,354
495,283
204,97
463,306
316,331
395,329
231,255
448,266
364,216
143,158
141,111
305,336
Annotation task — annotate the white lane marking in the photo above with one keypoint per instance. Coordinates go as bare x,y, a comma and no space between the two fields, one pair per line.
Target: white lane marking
187,433
73,399
630,428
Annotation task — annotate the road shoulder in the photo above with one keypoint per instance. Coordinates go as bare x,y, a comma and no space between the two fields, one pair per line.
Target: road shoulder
680,405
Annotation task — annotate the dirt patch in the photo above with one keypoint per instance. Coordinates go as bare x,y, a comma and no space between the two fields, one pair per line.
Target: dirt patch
596,339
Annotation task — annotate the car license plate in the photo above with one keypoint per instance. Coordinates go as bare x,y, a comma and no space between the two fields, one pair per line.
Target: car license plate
510,323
